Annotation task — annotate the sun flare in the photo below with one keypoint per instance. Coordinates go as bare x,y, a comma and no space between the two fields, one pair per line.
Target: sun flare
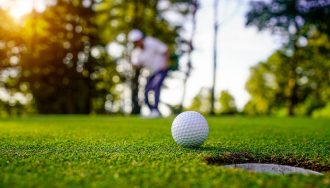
19,8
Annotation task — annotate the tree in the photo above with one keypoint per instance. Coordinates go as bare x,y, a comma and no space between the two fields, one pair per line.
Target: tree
323,112
264,85
227,103
202,101
11,45
270,87
313,73
288,16
62,60
189,50
215,53
297,23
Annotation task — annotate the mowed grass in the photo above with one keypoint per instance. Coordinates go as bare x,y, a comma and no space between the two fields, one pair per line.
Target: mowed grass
104,151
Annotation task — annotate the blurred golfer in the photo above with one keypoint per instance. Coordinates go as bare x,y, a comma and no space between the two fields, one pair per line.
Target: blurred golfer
153,55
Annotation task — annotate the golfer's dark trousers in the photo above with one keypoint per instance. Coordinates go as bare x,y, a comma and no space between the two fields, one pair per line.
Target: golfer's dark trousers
154,83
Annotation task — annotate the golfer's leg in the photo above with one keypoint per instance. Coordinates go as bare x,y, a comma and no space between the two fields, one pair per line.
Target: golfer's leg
147,90
161,76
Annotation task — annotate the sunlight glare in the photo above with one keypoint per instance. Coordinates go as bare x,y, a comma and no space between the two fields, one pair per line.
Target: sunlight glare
19,8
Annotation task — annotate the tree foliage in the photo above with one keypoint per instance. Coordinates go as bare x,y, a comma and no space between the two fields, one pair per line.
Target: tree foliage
62,61
202,101
270,86
11,45
226,103
288,78
287,16
65,62
79,72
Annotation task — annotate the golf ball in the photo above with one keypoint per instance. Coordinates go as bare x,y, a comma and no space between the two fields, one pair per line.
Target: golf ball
189,129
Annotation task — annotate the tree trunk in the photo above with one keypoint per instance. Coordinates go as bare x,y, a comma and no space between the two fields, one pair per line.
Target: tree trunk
215,49
195,5
136,107
293,96
292,83
138,21
89,95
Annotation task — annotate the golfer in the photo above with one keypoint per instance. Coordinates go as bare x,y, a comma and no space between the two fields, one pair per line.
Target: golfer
153,55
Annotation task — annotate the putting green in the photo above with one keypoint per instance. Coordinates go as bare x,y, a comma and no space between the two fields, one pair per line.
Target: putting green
104,151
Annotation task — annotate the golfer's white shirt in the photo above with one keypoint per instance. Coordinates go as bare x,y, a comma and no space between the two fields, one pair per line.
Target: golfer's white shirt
152,56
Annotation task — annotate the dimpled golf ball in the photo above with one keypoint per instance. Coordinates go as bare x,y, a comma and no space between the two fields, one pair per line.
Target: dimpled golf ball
190,129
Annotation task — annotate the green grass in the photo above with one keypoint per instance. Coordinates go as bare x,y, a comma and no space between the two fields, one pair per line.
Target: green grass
102,151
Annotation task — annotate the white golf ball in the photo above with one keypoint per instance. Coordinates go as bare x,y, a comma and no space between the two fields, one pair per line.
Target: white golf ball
190,129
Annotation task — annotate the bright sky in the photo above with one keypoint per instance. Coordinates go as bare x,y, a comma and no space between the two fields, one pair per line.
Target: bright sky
239,49
18,8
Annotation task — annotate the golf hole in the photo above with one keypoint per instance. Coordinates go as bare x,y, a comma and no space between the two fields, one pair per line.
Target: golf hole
272,168
268,164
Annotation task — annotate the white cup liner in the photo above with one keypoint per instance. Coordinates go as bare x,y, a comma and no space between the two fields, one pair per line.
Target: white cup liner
272,168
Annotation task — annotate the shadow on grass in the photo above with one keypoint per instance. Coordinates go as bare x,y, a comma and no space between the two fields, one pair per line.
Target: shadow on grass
211,149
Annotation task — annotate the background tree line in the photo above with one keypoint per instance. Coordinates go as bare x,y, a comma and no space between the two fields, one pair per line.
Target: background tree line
295,79
73,57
